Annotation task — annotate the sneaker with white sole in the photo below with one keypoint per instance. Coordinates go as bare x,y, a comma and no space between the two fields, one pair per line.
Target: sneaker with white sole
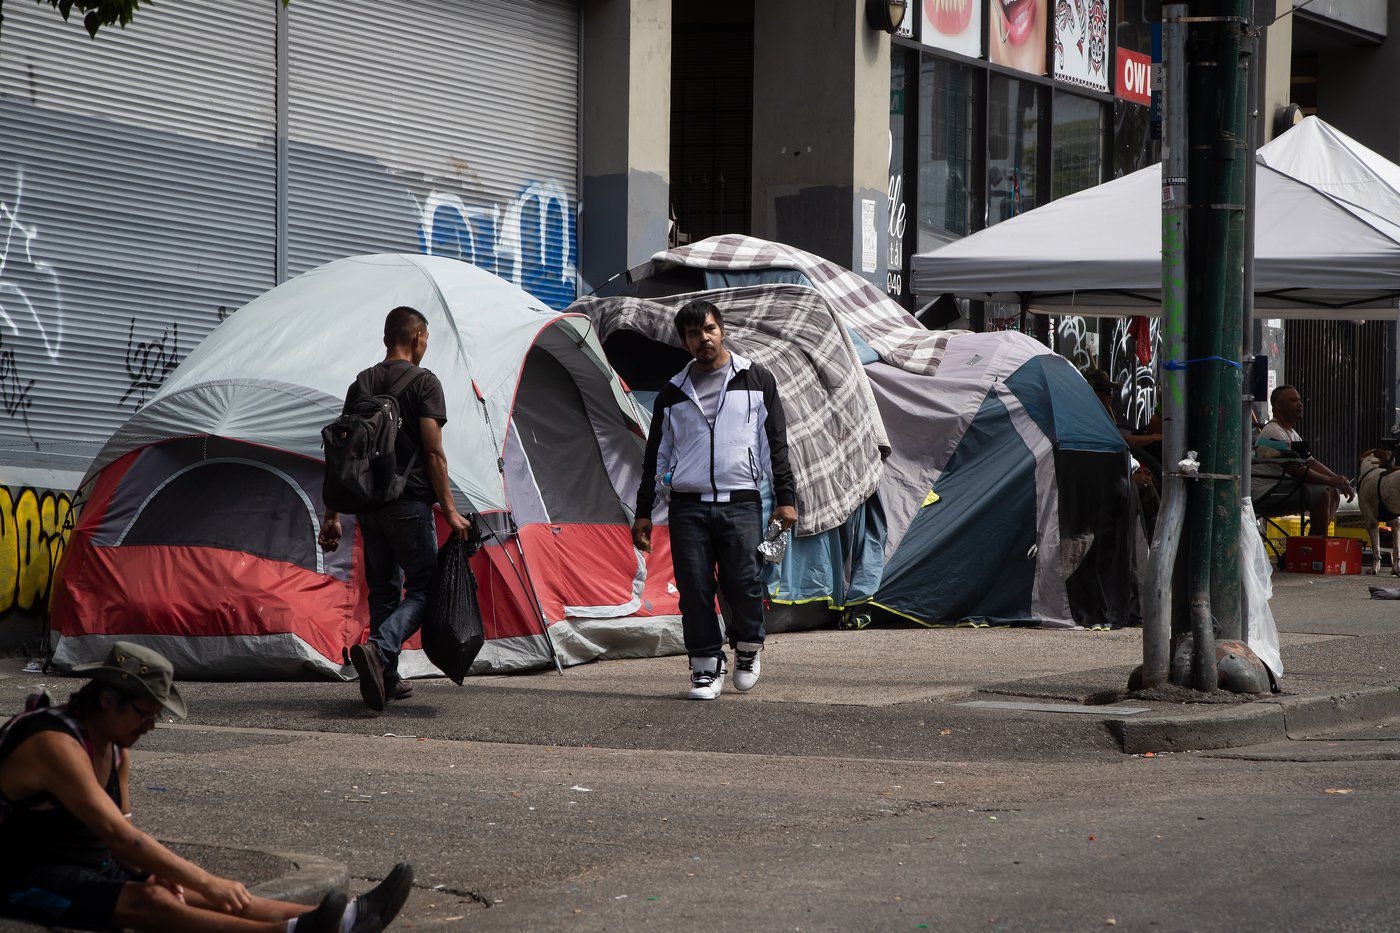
746,668
706,678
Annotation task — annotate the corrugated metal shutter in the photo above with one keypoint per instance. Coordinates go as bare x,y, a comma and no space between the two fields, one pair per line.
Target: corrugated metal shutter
448,128
137,198
1344,372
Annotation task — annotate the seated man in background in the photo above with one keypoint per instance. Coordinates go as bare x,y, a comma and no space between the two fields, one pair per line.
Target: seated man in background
1285,479
69,853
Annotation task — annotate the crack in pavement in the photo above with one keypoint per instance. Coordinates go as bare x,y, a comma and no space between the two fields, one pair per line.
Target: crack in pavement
463,893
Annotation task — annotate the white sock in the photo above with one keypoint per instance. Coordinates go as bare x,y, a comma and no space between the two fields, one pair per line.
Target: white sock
352,910
347,920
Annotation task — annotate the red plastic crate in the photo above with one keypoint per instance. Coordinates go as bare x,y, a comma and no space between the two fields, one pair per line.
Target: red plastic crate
1314,554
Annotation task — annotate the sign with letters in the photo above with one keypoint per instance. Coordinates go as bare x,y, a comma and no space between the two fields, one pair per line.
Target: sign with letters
1134,77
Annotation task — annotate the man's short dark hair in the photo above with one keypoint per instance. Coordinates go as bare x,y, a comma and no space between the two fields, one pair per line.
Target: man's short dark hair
1277,393
402,324
693,314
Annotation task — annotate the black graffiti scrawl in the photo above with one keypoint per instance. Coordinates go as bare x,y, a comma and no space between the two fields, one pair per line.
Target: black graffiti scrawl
148,362
15,400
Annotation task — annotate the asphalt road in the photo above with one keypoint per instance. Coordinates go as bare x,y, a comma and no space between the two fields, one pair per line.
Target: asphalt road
851,790
790,817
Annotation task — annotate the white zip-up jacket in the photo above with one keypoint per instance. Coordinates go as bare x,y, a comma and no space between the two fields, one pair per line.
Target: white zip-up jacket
747,440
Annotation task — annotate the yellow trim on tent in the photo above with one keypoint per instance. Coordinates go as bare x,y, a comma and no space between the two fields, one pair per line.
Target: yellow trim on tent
918,621
929,499
830,603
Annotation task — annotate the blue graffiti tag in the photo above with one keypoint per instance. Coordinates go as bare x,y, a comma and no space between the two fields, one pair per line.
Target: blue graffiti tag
533,241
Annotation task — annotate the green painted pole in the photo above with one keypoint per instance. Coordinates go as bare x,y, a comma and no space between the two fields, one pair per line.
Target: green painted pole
1215,235
1229,215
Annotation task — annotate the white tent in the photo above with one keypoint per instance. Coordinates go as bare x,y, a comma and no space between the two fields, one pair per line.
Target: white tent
1327,240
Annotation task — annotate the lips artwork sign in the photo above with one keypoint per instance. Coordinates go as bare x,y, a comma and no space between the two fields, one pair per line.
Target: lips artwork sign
954,25
1134,80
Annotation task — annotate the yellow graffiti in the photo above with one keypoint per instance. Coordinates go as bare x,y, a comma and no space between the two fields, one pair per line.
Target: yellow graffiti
34,529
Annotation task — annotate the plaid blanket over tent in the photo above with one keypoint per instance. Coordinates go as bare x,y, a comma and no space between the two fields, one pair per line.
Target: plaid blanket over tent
891,331
834,436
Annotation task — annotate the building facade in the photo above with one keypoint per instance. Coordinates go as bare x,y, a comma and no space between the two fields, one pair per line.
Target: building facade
154,180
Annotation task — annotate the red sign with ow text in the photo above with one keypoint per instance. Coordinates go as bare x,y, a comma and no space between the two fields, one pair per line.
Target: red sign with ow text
1134,81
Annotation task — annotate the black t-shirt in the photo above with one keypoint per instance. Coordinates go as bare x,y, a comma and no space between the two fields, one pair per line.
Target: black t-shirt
423,398
33,837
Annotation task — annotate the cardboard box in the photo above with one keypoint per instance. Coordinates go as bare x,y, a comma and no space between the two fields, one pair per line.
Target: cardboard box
1313,554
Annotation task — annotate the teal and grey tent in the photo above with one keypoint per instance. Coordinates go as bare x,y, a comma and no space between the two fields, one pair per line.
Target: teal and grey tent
980,480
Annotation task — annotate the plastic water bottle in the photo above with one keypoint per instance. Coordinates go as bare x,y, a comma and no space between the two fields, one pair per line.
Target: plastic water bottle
664,481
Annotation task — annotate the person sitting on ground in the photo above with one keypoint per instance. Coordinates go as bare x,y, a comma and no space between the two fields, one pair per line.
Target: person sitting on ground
1285,479
70,855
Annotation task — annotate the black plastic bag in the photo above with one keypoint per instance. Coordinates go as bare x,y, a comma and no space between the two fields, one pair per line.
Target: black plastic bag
452,632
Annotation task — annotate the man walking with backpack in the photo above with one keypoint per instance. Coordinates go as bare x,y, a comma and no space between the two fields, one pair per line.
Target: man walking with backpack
385,463
717,427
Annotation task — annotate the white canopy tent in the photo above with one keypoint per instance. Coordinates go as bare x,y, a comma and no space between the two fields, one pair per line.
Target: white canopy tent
1327,240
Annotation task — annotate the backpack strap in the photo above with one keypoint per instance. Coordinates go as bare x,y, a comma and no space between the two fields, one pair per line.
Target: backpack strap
395,387
404,381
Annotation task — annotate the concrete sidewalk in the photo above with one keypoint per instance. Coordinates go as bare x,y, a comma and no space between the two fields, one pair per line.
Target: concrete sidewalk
1341,654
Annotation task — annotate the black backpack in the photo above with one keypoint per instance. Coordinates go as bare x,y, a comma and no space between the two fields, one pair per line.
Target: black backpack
361,463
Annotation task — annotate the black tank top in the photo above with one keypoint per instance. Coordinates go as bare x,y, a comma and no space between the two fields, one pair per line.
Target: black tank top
31,837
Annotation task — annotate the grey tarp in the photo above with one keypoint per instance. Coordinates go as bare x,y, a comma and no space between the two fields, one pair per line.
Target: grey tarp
880,321
1322,250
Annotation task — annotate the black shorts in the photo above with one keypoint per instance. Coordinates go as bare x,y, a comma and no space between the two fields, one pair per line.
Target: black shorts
77,897
1287,497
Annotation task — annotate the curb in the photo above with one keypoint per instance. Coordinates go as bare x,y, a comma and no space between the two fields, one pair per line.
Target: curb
1257,723
313,878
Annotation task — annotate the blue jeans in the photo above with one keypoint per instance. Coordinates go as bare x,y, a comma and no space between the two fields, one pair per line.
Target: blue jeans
400,550
714,547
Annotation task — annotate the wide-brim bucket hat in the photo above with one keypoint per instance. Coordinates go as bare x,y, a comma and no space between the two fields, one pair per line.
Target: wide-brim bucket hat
138,671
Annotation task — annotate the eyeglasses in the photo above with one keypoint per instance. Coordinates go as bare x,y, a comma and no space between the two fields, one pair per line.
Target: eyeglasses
151,716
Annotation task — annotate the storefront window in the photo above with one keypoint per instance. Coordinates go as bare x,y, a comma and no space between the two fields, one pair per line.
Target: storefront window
1133,146
1133,30
948,101
898,211
1076,144
1013,127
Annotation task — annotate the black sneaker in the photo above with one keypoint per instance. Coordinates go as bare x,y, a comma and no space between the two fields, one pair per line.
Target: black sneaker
371,670
326,917
384,901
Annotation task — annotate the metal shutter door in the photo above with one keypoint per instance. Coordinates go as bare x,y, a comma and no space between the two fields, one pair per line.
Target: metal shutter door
136,208
439,127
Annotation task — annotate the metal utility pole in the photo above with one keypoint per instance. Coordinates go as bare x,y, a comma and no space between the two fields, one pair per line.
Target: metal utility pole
1157,610
1204,192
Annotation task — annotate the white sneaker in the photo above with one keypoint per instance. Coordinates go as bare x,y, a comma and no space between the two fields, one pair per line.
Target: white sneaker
746,668
706,678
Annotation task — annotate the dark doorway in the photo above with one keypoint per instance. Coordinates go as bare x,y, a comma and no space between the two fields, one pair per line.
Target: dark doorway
712,118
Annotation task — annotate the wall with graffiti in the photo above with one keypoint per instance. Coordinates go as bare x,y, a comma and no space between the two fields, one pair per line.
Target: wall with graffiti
136,215
34,529
1125,348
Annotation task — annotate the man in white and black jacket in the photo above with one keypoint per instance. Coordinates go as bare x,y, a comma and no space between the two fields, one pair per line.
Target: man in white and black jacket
717,428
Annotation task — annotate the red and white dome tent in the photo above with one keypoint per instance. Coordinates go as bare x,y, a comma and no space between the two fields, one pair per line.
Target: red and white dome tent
197,534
